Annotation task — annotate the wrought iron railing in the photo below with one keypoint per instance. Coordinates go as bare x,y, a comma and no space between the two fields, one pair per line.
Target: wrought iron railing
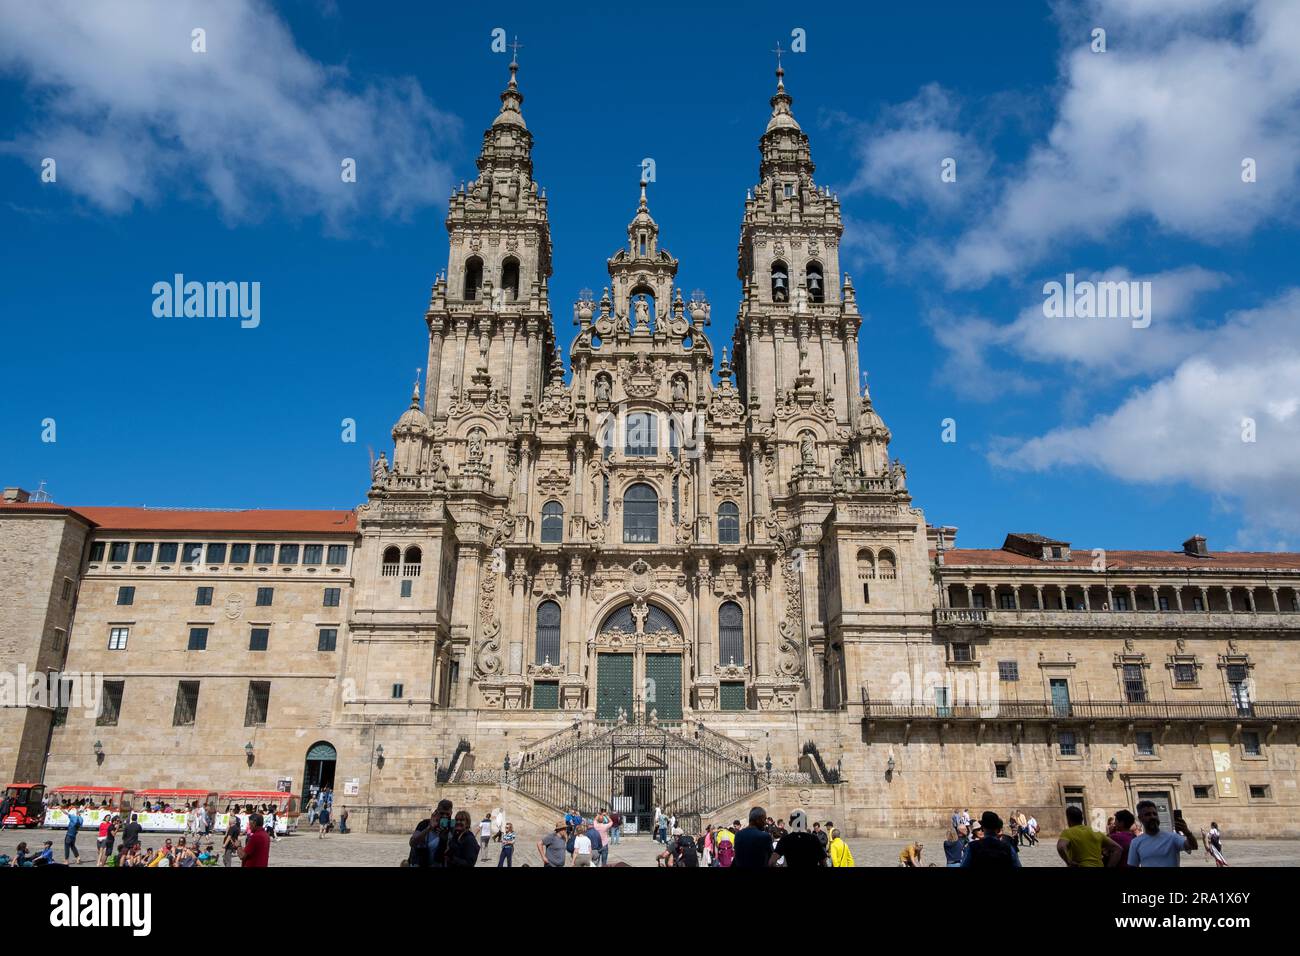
636,766
1086,710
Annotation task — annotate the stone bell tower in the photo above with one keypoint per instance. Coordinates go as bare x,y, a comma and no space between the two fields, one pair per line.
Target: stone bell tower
489,317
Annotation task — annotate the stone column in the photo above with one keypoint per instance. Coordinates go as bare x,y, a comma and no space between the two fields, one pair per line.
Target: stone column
510,363
573,618
1178,597
705,657
970,596
433,374
778,339
1039,589
579,481
1110,597
761,582
1205,600
827,385
518,578
1277,605
854,389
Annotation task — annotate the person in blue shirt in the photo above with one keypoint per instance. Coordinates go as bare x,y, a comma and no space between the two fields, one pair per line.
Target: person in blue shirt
70,838
46,855
1151,847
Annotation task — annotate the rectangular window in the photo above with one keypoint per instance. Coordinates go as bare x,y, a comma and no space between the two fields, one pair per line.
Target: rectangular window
977,600
789,190
258,638
97,551
1135,684
1007,601
167,552
1201,792
288,554
259,703
143,551
961,654
331,597
406,588
313,553
67,588
187,703
1146,743
328,639
546,695
217,553
117,638
198,639
1250,743
191,553
1009,670
125,596
117,551
397,692
264,554
338,554
866,593
1069,747
732,695
942,707
1121,602
110,704
1056,552
203,597
1184,673
1258,791
265,596
1163,603
1001,770
239,553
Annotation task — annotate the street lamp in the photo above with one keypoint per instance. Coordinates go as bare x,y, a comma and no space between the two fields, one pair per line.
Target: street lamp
248,752
889,767
1112,767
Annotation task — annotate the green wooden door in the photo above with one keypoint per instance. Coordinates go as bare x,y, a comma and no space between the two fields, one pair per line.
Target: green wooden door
664,685
613,685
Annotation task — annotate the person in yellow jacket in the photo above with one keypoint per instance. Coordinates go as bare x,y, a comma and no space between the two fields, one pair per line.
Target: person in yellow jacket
841,855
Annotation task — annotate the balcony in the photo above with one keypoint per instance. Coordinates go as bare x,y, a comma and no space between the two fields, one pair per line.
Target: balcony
1088,710
983,618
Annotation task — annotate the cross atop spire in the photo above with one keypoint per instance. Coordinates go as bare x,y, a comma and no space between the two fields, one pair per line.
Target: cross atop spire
514,50
780,71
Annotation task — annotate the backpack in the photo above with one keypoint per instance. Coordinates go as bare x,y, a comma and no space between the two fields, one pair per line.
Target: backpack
686,855
726,853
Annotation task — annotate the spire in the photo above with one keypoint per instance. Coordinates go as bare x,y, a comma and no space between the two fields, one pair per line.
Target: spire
415,391
781,101
511,98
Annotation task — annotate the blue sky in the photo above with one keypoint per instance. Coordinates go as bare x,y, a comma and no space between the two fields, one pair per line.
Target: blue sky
1120,165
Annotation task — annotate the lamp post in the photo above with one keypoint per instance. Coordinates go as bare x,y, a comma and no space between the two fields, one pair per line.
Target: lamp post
249,753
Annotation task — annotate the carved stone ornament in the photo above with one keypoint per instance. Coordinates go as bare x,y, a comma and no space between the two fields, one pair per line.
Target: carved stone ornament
728,482
234,606
642,377
553,482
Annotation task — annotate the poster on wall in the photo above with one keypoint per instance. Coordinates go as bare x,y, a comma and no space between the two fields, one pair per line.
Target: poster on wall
351,786
1223,769
284,785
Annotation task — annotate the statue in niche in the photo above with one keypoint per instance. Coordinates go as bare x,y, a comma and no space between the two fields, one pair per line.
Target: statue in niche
642,315
476,446
808,452
381,469
602,388
679,389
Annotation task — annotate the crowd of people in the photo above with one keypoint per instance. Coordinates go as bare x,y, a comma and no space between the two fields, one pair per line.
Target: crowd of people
1131,840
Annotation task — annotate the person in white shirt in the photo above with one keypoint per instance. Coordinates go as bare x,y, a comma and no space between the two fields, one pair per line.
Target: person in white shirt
582,847
485,835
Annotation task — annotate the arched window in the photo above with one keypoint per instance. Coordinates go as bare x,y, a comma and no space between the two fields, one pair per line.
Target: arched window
888,565
642,435
412,555
510,279
473,278
552,522
640,515
621,620
728,523
780,282
866,564
816,282
731,634
392,565
548,633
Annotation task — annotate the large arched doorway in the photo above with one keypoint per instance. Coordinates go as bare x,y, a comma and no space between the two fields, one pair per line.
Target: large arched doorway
318,772
639,664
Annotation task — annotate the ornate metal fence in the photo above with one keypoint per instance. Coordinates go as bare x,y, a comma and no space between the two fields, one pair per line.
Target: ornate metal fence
634,767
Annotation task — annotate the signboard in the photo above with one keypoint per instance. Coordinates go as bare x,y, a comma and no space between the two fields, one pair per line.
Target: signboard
284,785
1223,775
351,786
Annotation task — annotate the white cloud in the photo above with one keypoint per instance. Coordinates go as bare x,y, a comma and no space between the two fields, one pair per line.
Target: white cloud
1155,129
131,113
1188,426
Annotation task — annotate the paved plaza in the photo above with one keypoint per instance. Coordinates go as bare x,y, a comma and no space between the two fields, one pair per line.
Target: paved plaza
362,849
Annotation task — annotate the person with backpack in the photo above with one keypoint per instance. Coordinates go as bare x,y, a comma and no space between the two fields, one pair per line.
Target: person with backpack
685,851
840,853
726,846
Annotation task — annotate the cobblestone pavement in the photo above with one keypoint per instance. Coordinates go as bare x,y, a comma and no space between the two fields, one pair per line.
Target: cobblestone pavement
363,849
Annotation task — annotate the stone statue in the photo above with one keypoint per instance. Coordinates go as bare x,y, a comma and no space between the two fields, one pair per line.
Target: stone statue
602,388
837,474
679,389
642,315
808,452
476,446
381,469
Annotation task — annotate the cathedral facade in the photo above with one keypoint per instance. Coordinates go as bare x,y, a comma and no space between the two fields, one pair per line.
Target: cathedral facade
674,576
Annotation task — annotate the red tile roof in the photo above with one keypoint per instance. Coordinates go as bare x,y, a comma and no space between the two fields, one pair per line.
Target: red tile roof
1124,560
180,519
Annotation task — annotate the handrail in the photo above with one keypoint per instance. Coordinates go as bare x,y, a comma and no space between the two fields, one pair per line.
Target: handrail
1087,710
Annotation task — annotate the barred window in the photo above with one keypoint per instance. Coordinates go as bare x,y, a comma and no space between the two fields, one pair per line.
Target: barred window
111,704
259,703
1135,684
640,515
731,634
961,653
1146,743
548,633
187,703
1009,670
1184,673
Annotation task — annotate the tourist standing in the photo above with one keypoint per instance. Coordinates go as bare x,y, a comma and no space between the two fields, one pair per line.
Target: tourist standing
824,838
70,836
553,848
1214,845
616,827
507,857
324,820
462,852
753,844
800,849
603,825
954,848
1081,845
1032,830
257,847
685,852
343,820
1122,834
992,851
581,846
1152,847
101,841
841,855
230,843
485,834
